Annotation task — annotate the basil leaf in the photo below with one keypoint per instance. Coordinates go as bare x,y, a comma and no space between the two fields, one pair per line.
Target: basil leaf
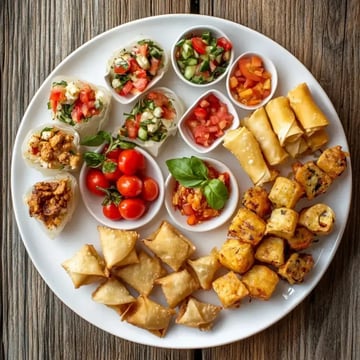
183,172
199,167
93,159
216,193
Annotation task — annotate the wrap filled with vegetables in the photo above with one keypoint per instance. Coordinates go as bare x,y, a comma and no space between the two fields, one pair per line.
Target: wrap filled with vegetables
79,104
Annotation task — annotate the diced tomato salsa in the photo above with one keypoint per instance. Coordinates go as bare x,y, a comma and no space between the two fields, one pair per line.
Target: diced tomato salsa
191,202
209,120
150,118
74,102
250,83
132,70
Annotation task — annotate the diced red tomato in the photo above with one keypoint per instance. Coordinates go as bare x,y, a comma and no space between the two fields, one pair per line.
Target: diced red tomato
224,43
198,45
126,89
209,120
57,94
140,84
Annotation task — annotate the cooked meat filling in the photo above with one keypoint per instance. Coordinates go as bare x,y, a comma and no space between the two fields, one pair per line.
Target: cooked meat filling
49,202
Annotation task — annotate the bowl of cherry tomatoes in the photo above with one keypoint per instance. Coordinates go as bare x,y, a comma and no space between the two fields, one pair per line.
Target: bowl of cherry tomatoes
251,81
121,188
204,124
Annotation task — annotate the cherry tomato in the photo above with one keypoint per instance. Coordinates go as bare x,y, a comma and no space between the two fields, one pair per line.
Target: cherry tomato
95,179
129,185
131,161
150,189
113,154
132,209
111,211
111,170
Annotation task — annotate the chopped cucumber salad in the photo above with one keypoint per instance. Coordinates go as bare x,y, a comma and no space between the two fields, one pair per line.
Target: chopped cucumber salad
202,59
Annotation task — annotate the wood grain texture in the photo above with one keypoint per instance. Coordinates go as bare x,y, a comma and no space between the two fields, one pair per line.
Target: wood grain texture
37,35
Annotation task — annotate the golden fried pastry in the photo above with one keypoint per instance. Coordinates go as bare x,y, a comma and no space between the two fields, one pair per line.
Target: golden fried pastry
271,250
261,282
236,255
170,245
197,314
296,268
230,289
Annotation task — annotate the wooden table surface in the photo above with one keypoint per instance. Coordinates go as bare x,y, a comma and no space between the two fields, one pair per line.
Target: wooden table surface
37,35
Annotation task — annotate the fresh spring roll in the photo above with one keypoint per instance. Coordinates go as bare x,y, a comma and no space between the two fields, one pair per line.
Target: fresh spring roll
243,145
306,110
283,120
258,123
79,104
297,147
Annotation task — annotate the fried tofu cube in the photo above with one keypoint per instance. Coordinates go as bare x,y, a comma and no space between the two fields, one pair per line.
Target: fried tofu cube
333,161
230,289
261,282
257,200
302,238
314,180
236,255
271,250
282,222
247,227
285,192
296,268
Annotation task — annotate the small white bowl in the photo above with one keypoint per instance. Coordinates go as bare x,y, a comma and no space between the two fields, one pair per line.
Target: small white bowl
131,97
93,202
198,31
226,213
269,66
185,132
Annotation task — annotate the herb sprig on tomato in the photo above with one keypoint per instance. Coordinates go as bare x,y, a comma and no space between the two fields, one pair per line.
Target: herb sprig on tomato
202,59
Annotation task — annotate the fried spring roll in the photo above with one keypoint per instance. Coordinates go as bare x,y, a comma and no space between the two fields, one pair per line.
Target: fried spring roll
306,110
258,123
242,143
283,120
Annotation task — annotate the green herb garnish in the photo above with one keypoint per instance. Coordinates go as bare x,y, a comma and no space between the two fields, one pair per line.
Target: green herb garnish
193,173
